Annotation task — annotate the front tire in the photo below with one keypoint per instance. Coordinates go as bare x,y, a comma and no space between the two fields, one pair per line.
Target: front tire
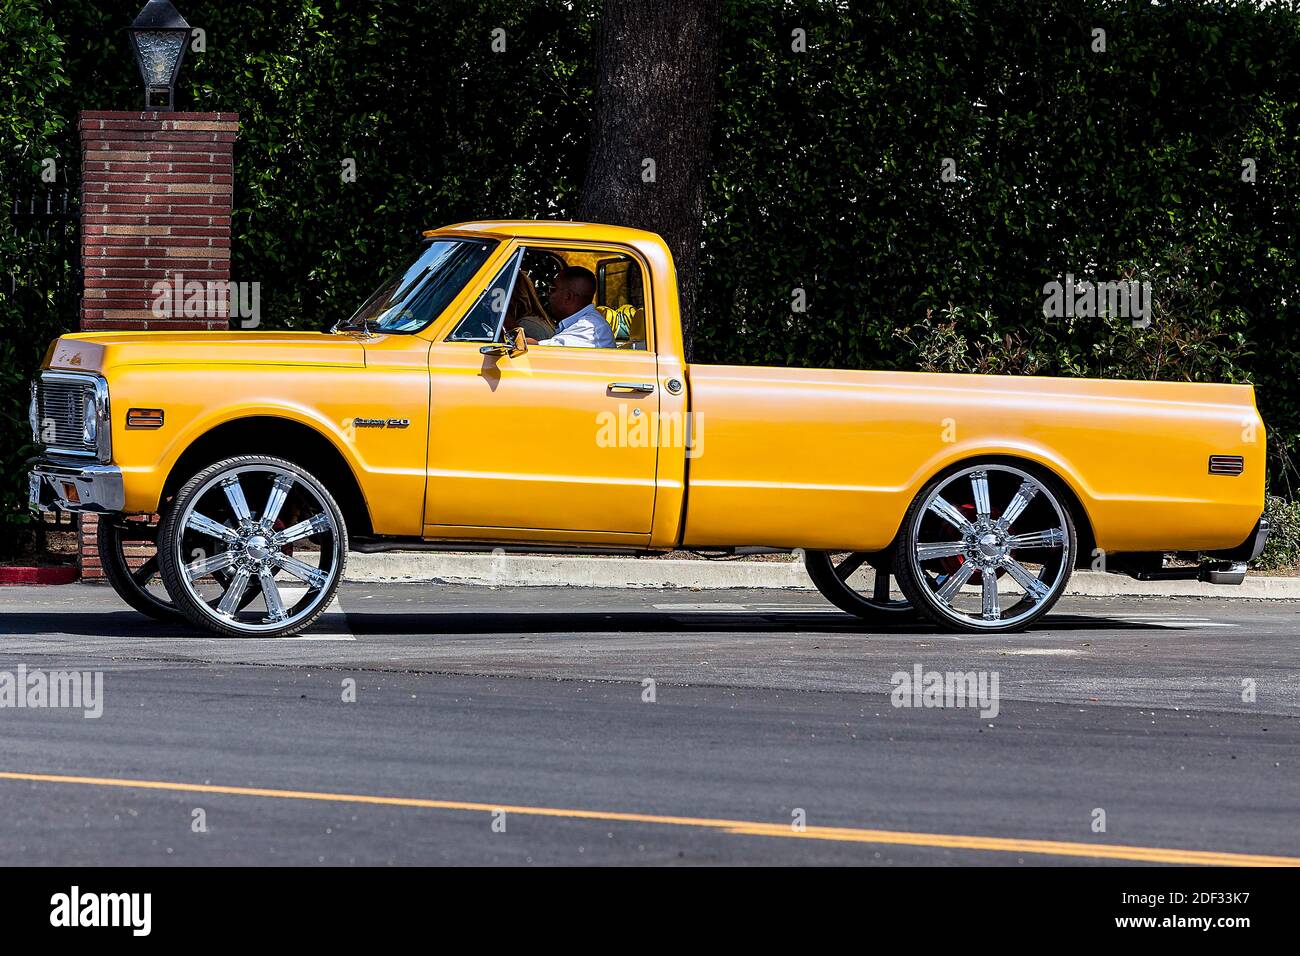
993,527
253,546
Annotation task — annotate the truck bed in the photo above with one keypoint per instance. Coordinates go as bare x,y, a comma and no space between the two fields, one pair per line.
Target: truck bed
831,459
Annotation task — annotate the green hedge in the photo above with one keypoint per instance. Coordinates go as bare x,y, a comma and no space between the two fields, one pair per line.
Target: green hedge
1125,163
36,287
1283,550
440,128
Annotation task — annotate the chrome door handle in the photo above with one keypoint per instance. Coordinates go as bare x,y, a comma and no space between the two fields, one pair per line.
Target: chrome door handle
631,386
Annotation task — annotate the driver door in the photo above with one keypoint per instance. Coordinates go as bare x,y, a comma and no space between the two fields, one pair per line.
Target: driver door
551,444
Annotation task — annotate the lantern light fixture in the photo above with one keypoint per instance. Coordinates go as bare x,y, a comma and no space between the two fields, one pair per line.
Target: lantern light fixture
159,36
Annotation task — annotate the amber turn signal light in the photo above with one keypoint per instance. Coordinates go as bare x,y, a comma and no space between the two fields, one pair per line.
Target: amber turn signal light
144,418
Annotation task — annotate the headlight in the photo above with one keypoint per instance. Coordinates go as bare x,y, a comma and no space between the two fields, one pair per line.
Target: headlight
90,417
34,416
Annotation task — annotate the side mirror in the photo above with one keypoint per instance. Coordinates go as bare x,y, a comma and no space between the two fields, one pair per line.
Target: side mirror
518,340
516,344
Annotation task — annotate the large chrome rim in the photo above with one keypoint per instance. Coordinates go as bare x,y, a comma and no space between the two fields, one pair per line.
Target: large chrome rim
991,526
258,570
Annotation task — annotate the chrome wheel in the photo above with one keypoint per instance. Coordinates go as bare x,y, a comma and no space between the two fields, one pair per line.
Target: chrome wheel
986,548
253,546
857,582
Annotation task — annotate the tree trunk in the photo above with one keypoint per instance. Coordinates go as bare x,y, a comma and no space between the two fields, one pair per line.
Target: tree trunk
656,77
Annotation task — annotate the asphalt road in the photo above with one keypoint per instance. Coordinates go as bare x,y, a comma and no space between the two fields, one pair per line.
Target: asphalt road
494,725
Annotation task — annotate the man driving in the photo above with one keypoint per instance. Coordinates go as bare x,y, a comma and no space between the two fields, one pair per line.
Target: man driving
579,324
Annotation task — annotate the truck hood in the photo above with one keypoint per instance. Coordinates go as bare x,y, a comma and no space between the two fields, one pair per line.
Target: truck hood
101,351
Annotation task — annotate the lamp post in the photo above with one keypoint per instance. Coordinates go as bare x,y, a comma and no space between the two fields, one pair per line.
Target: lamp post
159,36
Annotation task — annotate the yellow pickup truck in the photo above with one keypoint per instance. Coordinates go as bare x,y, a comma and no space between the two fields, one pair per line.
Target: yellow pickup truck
427,420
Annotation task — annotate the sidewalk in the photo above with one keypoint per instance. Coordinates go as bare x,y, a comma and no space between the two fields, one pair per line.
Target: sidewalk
601,572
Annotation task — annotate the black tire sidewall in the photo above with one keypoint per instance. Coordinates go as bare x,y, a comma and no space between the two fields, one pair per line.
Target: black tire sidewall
822,572
108,542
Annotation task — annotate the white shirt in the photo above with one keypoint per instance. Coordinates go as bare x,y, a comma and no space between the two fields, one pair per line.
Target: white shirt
586,328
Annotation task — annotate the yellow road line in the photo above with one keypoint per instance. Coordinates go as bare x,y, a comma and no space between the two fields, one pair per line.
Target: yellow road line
1103,851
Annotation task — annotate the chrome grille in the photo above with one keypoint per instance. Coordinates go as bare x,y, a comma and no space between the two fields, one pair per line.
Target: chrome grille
61,409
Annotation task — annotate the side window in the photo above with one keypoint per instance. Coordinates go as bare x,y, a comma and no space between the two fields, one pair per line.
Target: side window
619,295
482,323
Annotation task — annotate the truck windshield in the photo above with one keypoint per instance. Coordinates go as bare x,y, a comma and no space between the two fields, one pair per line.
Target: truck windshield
416,294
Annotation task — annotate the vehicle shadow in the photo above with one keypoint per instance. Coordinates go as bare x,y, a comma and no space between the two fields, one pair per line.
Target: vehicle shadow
811,624
123,623
432,622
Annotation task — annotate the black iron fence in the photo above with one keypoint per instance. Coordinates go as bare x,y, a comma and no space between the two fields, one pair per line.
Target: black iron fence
47,222
40,298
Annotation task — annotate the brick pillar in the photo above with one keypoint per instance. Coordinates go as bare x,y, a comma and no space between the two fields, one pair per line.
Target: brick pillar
156,193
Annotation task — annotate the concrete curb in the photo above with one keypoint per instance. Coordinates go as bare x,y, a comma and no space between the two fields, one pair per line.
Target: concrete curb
599,572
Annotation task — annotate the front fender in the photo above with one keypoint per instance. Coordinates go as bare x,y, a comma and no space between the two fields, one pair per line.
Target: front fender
388,464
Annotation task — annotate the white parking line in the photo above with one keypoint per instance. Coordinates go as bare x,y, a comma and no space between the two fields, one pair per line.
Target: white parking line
747,608
1172,621
1041,652
331,626
1164,620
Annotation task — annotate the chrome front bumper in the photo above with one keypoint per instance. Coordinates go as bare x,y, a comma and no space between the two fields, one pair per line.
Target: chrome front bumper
58,486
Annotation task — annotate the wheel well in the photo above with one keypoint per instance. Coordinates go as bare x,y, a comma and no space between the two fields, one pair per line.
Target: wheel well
1087,540
282,438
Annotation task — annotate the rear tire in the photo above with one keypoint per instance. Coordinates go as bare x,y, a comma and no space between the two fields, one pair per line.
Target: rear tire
113,535
832,579
989,525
